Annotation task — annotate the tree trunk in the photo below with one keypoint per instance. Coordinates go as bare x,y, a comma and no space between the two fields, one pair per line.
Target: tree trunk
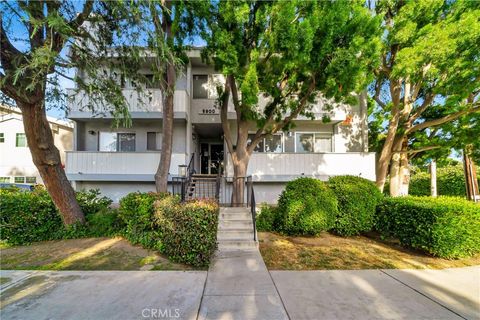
471,181
46,158
386,153
161,176
240,166
399,168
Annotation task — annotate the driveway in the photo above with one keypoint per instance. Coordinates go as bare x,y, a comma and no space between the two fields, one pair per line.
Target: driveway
359,294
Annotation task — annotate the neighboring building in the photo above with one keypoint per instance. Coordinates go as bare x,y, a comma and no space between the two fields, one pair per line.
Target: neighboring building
119,161
16,165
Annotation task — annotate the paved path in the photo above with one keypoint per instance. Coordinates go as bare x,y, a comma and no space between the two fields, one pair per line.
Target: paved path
229,294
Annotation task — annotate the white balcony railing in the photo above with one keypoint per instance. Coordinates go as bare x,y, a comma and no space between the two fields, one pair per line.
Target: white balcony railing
132,163
149,101
321,165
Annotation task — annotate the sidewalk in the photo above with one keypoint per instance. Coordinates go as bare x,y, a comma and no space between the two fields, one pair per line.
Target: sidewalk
238,287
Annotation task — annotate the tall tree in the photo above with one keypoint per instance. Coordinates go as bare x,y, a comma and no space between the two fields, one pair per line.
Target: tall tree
34,38
291,53
430,65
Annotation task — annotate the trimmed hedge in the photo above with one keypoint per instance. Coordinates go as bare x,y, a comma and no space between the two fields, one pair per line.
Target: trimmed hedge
189,230
137,212
27,217
446,227
357,200
306,207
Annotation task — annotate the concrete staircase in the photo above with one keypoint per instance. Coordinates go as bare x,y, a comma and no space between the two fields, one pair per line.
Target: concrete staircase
235,230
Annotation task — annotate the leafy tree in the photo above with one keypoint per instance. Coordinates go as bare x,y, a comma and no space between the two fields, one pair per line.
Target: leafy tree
34,41
291,53
430,67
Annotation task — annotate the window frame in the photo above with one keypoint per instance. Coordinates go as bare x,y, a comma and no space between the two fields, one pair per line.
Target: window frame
282,139
117,142
34,180
210,81
157,134
15,179
314,133
2,137
5,179
16,140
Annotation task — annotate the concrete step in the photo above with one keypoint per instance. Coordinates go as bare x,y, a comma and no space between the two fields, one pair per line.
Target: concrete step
234,209
235,224
236,235
235,216
237,245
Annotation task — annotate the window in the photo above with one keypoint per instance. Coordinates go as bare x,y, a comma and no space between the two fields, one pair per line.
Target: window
19,179
31,180
151,82
112,141
200,84
21,140
313,142
205,86
154,141
4,179
273,143
2,137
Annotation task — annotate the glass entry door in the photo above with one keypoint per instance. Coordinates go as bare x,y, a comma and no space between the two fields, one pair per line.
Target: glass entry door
211,158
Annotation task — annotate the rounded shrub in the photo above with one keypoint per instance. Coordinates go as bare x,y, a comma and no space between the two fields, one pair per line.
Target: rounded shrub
267,218
306,207
357,200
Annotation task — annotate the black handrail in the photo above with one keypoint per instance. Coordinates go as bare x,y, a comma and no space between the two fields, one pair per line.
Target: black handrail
254,212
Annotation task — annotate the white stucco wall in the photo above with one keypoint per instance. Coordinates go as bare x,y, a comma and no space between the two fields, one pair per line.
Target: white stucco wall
17,161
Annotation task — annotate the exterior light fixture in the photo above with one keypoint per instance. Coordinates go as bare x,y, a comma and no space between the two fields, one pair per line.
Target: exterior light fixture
182,170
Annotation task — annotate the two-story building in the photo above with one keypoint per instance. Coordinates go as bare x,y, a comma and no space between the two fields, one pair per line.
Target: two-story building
119,161
16,164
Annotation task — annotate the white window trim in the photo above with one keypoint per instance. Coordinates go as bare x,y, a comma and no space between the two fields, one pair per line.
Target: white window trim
331,135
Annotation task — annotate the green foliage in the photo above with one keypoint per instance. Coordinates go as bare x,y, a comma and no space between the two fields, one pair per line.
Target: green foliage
189,231
91,201
306,207
357,200
267,218
27,217
447,227
137,212
105,223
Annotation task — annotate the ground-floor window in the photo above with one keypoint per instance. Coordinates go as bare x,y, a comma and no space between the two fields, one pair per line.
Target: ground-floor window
31,180
5,179
19,179
21,140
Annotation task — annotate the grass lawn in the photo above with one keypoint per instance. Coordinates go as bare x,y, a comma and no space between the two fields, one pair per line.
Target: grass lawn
329,252
84,254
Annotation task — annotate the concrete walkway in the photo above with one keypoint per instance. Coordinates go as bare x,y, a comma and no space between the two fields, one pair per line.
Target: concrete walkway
239,287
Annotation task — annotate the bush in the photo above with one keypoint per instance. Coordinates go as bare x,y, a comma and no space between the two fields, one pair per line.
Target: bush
137,213
105,223
189,231
306,207
267,218
26,217
357,200
447,227
91,201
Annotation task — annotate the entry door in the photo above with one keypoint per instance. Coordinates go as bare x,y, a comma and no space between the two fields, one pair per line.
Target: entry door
211,157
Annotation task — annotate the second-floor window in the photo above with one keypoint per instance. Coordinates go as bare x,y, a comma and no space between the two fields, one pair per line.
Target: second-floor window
205,86
21,140
114,141
306,142
273,143
154,141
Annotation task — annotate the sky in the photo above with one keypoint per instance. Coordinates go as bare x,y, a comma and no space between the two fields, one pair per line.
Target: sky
17,34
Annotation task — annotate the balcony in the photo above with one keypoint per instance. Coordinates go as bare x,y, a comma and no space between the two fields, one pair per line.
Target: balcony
287,166
117,166
146,105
